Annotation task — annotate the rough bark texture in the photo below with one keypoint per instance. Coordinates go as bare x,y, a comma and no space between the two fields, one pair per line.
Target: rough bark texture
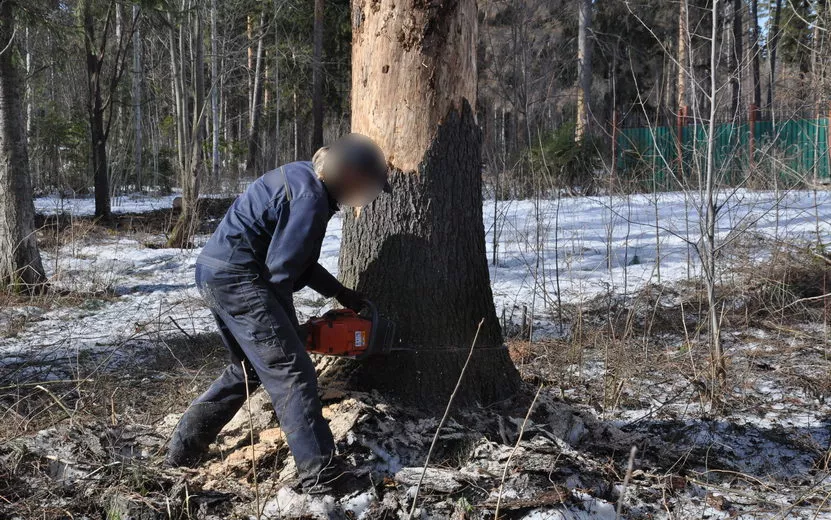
20,262
420,252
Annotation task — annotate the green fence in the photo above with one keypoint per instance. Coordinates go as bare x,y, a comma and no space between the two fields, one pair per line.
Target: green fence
796,150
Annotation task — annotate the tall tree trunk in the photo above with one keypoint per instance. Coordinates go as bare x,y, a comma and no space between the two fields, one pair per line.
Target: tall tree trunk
708,231
20,263
95,109
191,173
734,24
215,87
30,104
178,95
256,105
773,45
584,69
420,253
296,131
317,77
138,74
754,53
277,102
683,56
249,30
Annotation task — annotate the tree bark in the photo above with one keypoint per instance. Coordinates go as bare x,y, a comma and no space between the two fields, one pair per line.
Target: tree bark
683,57
20,263
95,109
96,52
138,74
420,253
754,53
773,37
584,69
30,106
191,171
317,77
215,87
734,24
256,106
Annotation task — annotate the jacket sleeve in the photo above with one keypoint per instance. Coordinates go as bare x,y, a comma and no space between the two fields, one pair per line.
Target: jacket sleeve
323,282
295,243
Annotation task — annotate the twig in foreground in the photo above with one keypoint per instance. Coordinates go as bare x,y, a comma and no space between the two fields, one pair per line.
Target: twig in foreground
629,468
58,402
251,431
444,418
511,456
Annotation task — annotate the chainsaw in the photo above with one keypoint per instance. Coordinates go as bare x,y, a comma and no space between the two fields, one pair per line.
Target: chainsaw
346,333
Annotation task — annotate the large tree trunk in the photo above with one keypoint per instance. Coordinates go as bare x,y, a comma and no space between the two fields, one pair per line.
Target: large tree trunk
420,253
20,264
584,69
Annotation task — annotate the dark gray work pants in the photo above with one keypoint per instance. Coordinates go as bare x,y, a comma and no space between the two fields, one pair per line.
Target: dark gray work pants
260,334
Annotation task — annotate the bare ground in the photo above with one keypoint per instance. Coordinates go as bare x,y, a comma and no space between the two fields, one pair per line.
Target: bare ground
633,371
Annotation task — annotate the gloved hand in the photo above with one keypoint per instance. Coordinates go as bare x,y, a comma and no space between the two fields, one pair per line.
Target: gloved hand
350,299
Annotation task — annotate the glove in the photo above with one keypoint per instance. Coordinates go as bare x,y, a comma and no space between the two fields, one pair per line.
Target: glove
350,299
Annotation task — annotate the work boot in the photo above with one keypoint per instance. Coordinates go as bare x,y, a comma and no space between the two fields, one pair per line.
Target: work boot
338,478
197,429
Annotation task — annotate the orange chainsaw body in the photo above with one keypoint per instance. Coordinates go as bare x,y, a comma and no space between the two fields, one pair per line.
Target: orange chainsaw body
346,333
340,332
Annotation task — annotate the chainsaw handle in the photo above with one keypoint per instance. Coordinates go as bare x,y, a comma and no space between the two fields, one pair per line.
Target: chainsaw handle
373,316
368,305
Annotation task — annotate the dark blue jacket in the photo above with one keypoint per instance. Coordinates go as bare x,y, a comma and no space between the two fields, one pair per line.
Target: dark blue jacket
275,229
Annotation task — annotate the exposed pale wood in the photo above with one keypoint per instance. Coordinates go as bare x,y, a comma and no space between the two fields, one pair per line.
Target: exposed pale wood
410,66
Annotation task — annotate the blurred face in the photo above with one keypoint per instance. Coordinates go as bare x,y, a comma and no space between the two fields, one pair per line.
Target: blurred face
356,188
